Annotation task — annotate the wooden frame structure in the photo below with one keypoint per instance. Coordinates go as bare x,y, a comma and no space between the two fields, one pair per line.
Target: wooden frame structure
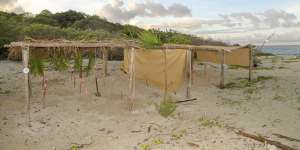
105,45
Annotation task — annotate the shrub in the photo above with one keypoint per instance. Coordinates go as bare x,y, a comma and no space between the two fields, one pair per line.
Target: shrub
166,107
41,31
149,39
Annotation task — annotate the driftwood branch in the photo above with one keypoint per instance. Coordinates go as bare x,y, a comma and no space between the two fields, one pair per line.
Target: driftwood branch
187,100
264,140
286,137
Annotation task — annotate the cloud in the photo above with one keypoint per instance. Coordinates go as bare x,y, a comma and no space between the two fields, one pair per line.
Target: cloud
11,6
117,11
268,19
243,27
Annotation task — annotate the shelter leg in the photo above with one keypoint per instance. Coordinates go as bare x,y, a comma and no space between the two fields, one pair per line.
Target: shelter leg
250,63
189,74
166,74
25,57
131,79
104,56
222,69
96,75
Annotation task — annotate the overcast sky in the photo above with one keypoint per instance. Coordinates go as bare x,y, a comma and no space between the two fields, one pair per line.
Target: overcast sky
234,21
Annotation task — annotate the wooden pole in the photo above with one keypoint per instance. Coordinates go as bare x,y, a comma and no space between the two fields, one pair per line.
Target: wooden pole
192,65
131,78
165,74
25,58
250,63
104,56
222,68
189,73
96,74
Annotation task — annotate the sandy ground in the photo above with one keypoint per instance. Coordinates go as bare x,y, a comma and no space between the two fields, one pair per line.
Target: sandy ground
102,123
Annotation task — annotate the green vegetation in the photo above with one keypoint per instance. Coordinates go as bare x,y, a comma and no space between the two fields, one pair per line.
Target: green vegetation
166,107
210,123
78,62
244,82
154,142
279,98
264,54
73,25
232,103
36,66
91,63
150,39
59,60
237,67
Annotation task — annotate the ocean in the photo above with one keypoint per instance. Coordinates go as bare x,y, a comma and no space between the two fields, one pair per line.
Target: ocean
282,49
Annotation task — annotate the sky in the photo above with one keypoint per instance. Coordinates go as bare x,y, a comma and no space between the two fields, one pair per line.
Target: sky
232,21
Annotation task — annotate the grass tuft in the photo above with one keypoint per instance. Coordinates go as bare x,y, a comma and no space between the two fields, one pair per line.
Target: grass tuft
210,123
244,82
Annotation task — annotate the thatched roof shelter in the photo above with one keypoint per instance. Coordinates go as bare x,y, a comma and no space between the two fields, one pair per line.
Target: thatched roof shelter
23,49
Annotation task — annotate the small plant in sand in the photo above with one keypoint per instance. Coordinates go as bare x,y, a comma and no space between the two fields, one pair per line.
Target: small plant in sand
166,107
74,147
178,135
210,123
145,146
279,98
244,82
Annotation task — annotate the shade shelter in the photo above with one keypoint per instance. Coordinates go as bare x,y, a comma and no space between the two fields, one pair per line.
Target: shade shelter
136,61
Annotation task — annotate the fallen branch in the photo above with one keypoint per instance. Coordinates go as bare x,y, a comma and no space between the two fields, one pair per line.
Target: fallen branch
187,100
264,140
286,137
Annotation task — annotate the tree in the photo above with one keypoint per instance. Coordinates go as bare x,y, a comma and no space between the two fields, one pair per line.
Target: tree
66,19
96,23
45,17
42,31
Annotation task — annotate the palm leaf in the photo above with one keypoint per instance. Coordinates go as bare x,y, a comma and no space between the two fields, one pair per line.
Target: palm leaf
59,61
91,63
36,66
78,62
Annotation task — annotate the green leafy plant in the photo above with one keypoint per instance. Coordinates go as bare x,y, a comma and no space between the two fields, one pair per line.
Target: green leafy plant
166,107
145,146
207,122
149,40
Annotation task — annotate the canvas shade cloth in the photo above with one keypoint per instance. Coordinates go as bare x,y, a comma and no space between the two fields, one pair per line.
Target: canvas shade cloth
149,66
238,56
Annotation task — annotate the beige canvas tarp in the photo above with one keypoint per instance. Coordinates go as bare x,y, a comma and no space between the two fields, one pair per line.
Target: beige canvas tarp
235,57
149,66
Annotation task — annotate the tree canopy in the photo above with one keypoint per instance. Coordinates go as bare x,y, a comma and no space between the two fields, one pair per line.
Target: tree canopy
73,25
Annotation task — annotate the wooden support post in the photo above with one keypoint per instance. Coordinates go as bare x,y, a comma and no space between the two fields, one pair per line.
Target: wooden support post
192,65
98,94
105,57
131,79
222,68
189,73
25,58
165,74
250,63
